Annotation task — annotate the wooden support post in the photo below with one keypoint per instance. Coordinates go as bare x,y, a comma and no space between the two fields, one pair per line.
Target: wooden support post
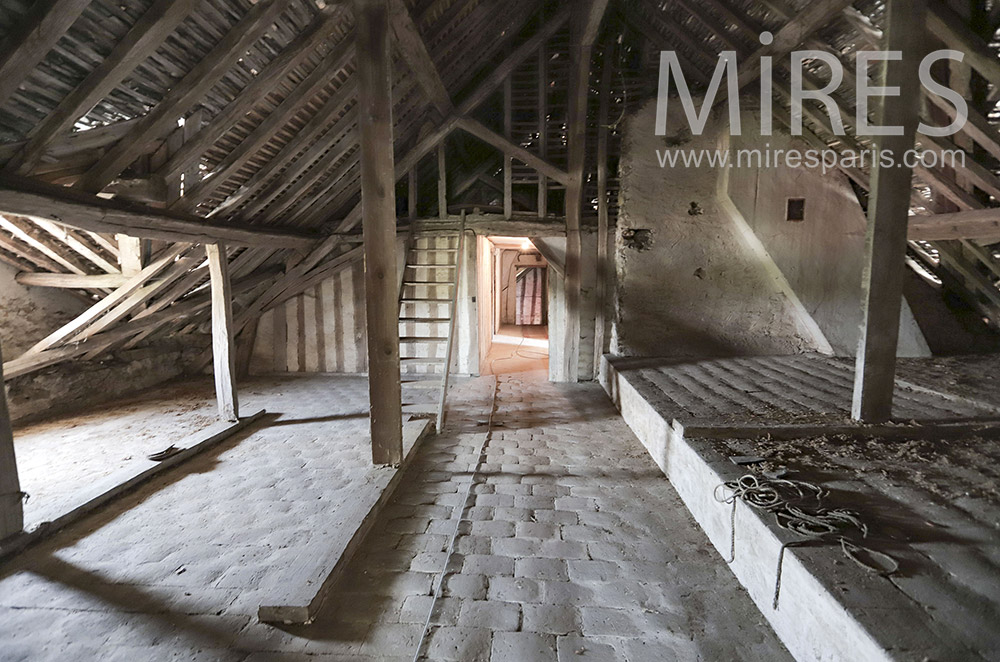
378,207
223,340
888,213
543,111
508,174
11,498
442,182
600,296
411,194
579,74
129,254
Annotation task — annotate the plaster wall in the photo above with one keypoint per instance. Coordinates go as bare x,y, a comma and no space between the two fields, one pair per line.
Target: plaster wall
822,257
693,284
556,291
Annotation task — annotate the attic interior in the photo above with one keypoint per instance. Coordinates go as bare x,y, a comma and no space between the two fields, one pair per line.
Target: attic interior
454,330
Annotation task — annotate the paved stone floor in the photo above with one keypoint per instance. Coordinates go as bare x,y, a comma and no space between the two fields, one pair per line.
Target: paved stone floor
572,547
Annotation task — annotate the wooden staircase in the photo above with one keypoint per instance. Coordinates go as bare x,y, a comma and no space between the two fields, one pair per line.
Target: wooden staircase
426,307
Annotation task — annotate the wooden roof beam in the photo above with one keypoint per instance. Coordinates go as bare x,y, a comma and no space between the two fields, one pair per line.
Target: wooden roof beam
953,31
796,31
28,44
152,28
979,224
148,132
291,57
487,135
37,200
411,46
265,132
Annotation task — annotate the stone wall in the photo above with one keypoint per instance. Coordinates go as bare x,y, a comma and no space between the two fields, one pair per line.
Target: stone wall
822,256
28,314
78,385
690,281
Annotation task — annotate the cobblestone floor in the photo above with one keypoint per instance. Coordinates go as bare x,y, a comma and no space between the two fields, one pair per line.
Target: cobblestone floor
573,547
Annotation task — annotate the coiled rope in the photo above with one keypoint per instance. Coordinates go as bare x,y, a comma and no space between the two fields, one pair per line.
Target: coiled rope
797,506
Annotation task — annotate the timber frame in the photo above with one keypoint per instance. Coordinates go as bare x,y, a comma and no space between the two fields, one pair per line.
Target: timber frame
236,124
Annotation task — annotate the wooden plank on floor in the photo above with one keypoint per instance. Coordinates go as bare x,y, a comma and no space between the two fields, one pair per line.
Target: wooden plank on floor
296,596
103,492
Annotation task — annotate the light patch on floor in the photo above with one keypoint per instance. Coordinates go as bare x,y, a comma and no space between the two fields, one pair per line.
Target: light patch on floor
574,546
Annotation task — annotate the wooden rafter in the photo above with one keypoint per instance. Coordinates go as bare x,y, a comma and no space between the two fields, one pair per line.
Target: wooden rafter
139,43
411,46
75,209
163,116
30,42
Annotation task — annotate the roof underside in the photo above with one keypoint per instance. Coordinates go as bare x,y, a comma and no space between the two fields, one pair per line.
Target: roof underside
245,112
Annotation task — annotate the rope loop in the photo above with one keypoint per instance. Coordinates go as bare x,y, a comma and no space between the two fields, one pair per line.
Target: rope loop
797,507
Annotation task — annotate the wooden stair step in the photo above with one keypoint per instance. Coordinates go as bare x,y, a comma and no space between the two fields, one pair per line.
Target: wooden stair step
425,320
421,359
414,283
416,339
422,383
425,301
431,266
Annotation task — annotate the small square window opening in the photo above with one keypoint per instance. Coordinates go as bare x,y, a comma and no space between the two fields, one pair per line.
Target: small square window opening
796,210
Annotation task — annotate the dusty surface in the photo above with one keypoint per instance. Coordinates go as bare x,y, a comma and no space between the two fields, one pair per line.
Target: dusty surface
573,547
932,503
800,389
57,457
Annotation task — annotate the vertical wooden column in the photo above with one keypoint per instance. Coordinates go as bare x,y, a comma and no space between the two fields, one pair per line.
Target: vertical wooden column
11,499
378,208
543,112
223,340
129,254
600,295
508,174
888,213
442,182
579,76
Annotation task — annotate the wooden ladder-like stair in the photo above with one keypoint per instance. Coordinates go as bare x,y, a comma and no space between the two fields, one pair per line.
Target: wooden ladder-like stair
427,308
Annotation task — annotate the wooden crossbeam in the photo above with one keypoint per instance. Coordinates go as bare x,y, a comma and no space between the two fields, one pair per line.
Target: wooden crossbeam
414,51
980,224
46,22
102,342
108,303
44,279
154,26
37,200
148,132
487,135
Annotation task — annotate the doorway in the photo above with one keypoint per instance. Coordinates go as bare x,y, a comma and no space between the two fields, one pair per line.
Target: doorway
514,326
